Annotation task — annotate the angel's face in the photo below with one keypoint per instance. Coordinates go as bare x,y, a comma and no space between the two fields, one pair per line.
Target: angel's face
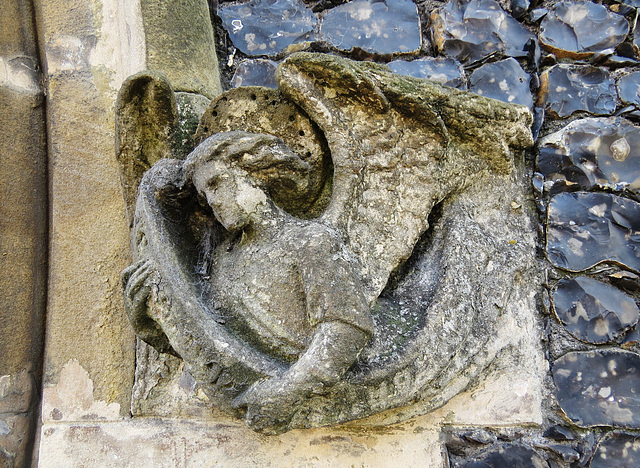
236,202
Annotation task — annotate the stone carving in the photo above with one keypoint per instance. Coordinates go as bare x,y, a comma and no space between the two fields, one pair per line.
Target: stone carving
351,243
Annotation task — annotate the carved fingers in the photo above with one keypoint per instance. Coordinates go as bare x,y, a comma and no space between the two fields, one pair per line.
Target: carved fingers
137,289
270,405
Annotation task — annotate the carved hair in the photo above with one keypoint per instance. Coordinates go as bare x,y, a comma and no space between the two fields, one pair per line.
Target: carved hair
266,159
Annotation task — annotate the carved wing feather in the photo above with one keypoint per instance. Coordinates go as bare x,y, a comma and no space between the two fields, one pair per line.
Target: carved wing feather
395,161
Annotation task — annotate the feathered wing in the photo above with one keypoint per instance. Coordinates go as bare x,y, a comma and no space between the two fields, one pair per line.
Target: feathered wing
399,145
146,120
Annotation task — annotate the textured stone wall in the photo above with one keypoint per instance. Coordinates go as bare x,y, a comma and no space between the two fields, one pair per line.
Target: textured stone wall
88,48
23,230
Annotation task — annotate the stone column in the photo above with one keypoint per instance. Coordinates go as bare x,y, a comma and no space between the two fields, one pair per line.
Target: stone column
88,49
23,231
89,347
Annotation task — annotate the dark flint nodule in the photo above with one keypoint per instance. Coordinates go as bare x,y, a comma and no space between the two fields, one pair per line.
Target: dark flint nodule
508,456
585,229
593,151
565,89
599,388
617,450
592,311
443,70
470,31
573,29
255,72
266,27
379,27
504,80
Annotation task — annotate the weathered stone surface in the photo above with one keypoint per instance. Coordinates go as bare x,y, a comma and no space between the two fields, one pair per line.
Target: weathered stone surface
592,311
15,439
519,7
89,231
72,398
18,401
577,29
23,218
179,42
502,399
255,72
23,232
263,27
146,125
261,110
443,70
469,31
565,89
599,388
585,229
617,450
317,82
379,27
191,107
591,152
170,443
504,80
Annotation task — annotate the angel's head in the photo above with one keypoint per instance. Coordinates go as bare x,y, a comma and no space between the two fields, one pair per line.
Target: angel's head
237,172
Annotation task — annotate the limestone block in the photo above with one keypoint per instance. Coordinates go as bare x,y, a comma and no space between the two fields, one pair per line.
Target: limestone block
23,231
180,43
88,234
23,218
175,443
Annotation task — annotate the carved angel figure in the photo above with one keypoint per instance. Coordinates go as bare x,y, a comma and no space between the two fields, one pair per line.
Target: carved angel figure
289,286
381,296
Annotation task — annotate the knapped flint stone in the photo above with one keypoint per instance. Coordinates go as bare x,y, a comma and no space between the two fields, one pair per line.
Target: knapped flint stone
509,456
577,29
599,388
266,27
617,450
519,7
537,14
565,89
566,453
632,339
559,433
470,31
504,80
632,3
592,151
592,311
379,27
585,229
23,232
443,70
629,88
255,72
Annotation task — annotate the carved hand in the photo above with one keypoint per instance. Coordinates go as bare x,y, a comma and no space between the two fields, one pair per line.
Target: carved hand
136,288
272,403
